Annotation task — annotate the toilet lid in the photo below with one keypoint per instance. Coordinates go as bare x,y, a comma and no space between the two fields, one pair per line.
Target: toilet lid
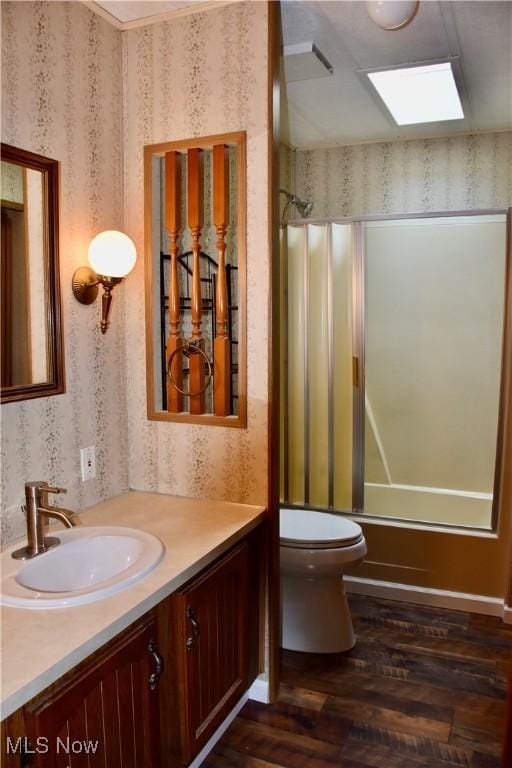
309,529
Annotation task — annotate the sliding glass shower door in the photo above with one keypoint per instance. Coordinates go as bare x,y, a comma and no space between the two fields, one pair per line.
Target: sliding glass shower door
434,307
317,387
391,366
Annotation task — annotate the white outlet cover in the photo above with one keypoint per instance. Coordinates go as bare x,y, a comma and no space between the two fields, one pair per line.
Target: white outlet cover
88,463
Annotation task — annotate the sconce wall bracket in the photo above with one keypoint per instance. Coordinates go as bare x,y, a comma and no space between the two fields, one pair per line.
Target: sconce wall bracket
85,285
106,300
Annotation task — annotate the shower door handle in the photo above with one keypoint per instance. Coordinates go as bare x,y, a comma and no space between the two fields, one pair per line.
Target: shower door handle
355,371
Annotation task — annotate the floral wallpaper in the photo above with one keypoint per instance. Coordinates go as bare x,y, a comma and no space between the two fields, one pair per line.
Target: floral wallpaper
62,97
201,74
286,168
78,90
453,173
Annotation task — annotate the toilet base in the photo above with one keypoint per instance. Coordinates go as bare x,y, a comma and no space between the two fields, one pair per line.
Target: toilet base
315,615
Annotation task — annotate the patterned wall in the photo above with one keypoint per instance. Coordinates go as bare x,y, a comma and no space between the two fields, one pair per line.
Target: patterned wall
196,75
65,100
454,173
61,97
286,169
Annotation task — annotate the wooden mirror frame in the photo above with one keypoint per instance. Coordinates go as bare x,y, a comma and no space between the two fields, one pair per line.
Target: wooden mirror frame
55,383
238,141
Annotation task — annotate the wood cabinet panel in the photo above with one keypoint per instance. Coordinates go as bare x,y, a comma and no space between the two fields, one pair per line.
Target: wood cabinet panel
211,623
104,713
13,729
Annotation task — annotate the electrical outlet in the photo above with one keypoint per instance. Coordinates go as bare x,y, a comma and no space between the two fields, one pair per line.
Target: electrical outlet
88,463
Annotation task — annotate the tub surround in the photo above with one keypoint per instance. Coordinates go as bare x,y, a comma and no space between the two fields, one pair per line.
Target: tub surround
39,646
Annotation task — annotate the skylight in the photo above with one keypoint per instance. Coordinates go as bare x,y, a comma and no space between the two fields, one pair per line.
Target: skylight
424,94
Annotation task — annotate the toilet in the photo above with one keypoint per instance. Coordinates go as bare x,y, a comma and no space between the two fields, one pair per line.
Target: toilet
316,549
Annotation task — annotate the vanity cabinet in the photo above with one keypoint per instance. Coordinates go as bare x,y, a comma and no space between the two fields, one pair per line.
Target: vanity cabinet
104,712
155,694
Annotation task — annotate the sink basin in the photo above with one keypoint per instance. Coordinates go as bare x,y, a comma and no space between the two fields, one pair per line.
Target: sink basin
89,564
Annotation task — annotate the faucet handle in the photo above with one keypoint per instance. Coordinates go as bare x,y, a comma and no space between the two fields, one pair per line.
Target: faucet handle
55,489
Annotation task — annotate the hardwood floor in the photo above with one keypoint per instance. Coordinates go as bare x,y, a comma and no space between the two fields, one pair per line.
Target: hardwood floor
423,688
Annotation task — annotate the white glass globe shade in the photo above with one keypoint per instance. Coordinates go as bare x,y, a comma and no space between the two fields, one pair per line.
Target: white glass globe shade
392,14
112,253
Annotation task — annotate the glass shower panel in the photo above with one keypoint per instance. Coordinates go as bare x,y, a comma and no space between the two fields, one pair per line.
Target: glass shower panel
434,305
296,312
283,363
318,365
342,365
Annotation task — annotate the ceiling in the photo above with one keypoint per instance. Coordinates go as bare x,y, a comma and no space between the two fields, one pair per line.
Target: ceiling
134,10
343,109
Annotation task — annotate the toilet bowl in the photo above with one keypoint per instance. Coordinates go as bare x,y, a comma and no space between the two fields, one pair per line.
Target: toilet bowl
316,549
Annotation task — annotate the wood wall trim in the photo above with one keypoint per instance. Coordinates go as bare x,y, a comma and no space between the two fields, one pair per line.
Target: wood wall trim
502,498
505,491
273,579
55,384
200,142
238,139
222,354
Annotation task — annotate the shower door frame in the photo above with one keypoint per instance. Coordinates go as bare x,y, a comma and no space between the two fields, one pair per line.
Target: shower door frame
358,257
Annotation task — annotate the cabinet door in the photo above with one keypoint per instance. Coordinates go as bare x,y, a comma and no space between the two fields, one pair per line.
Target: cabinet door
14,741
105,713
211,619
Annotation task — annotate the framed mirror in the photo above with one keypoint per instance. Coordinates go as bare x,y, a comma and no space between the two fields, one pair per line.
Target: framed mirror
32,363
195,279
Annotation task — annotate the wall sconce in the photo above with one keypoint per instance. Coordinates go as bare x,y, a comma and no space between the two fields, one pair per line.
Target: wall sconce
111,255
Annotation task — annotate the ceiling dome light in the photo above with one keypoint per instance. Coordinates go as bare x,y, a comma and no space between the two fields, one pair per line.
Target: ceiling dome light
392,14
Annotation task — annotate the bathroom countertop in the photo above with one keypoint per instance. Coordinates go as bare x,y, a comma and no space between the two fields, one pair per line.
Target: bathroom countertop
39,646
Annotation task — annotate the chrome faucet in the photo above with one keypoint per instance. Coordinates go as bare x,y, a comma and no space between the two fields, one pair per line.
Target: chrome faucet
36,508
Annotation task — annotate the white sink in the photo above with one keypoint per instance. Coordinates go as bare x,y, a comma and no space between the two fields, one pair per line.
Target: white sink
89,564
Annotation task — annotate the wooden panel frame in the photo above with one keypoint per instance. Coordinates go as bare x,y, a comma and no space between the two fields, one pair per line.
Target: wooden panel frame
173,223
235,139
55,385
275,43
505,434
